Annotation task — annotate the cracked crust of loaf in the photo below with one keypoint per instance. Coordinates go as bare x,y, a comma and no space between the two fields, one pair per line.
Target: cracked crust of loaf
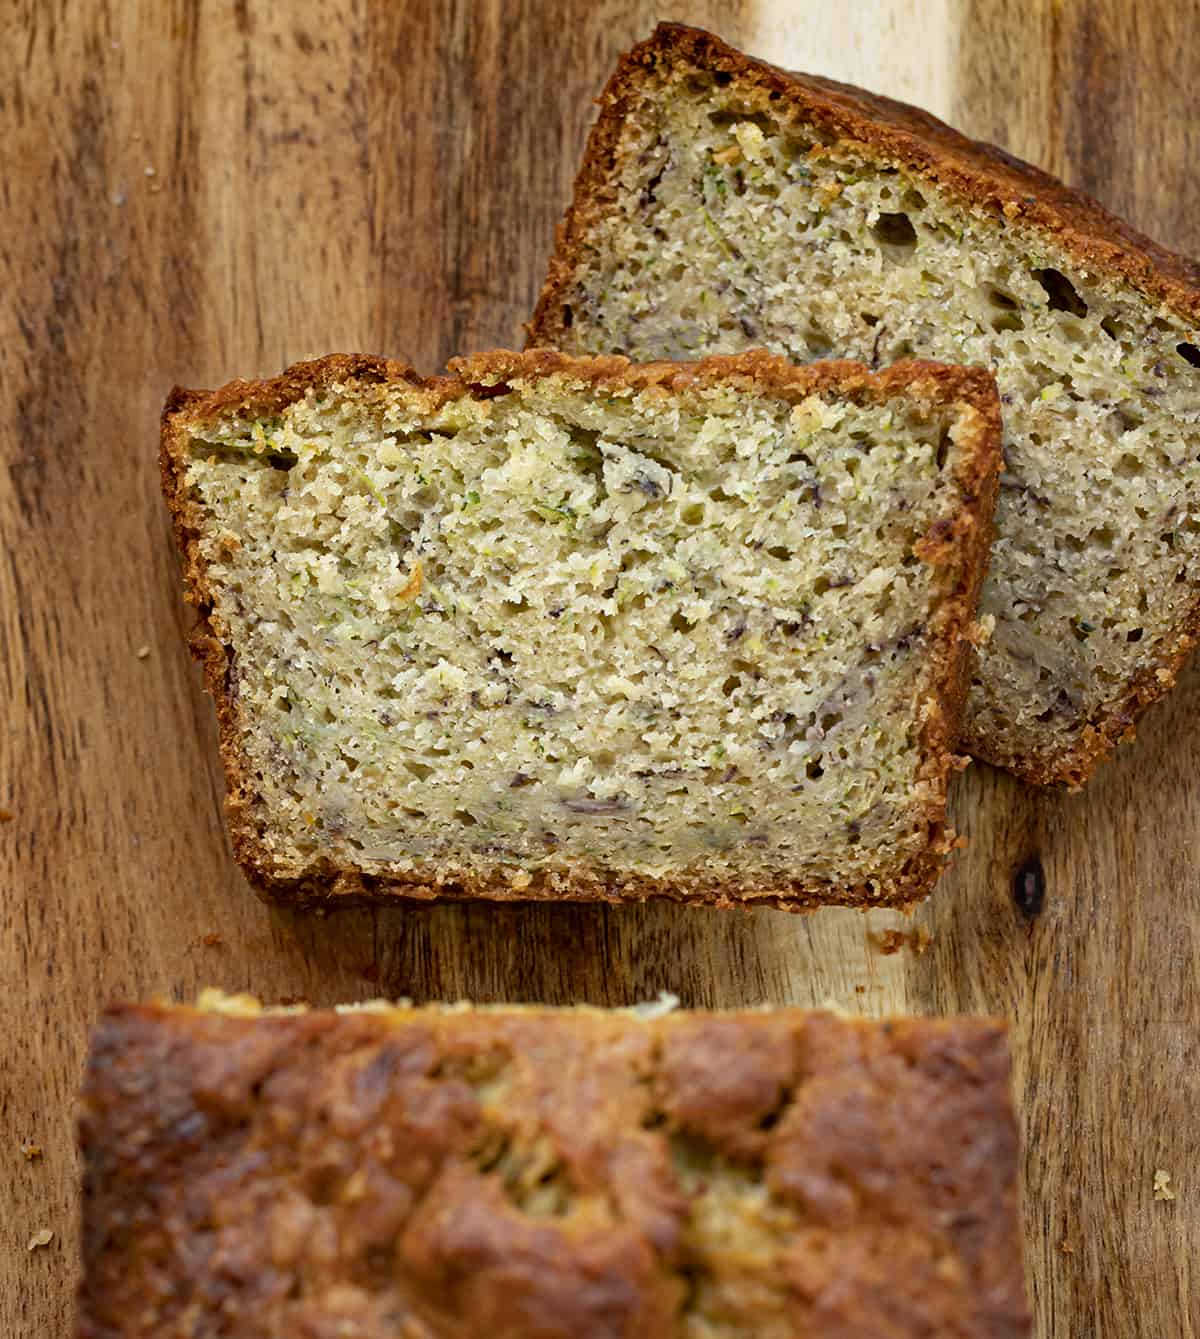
960,552
445,1173
980,173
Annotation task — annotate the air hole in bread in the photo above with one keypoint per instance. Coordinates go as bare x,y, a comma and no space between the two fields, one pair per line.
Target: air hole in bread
818,342
895,231
1060,292
1130,467
1008,321
489,391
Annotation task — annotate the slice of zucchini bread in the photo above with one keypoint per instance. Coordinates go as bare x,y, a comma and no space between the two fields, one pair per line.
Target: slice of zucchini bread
724,204
564,1174
557,628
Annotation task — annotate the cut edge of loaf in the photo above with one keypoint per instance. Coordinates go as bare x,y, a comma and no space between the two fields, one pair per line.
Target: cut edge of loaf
988,178
960,551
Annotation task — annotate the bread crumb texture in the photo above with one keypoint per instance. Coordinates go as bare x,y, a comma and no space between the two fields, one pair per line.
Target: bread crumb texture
502,632
42,1237
725,205
565,1174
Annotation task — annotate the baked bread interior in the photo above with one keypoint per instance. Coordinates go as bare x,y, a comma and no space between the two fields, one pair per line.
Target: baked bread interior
574,628
724,204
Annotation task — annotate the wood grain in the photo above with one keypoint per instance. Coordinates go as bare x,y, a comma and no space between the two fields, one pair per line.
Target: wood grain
1102,986
386,177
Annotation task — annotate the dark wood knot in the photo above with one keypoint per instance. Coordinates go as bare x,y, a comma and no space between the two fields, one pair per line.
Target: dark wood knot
1029,887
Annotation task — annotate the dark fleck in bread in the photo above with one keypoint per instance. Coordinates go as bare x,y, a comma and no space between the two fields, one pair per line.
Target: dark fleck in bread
555,628
540,1174
724,204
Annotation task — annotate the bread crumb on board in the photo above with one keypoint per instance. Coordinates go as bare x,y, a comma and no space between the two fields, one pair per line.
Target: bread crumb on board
6,815
1162,1185
143,652
892,941
42,1237
31,1152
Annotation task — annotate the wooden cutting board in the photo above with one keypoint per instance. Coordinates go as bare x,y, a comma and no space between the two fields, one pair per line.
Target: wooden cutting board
191,191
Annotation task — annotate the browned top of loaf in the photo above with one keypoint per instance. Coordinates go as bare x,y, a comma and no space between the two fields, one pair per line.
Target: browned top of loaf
986,176
756,370
517,1174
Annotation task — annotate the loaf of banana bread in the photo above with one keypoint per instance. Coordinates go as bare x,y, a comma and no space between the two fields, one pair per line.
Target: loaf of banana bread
556,628
724,204
404,1173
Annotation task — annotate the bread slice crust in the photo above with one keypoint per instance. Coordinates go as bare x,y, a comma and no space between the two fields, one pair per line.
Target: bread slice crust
959,552
980,174
572,1171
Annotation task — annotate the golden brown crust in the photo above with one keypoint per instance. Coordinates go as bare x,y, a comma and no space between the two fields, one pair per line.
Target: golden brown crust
1115,723
980,174
960,552
757,370
570,1175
